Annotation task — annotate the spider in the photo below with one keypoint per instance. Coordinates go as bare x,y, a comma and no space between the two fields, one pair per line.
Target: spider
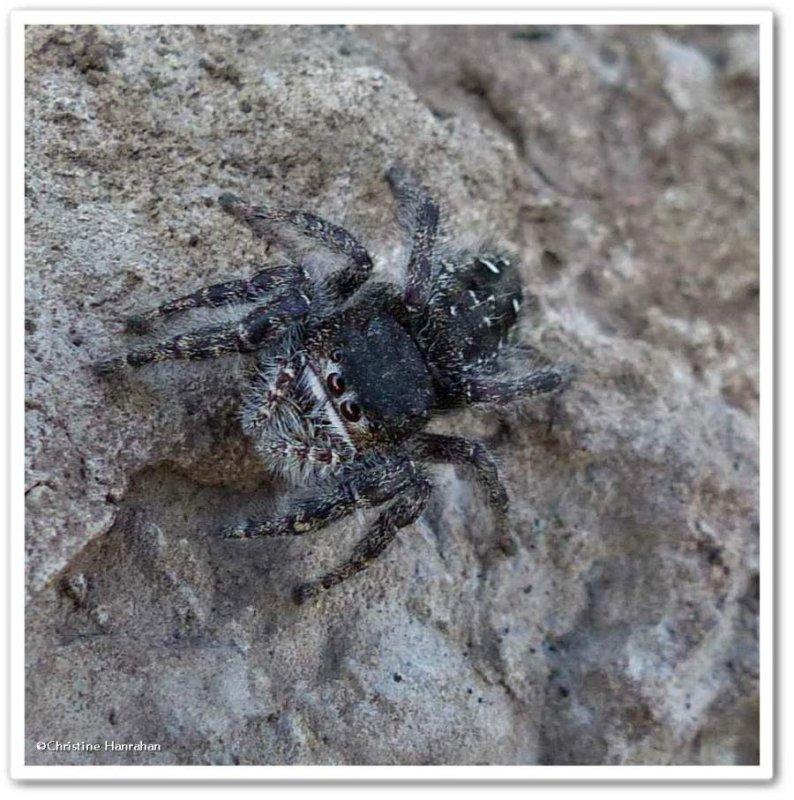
349,371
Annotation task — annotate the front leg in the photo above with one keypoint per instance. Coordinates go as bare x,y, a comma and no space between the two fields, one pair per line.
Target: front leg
340,285
361,487
265,285
268,394
252,332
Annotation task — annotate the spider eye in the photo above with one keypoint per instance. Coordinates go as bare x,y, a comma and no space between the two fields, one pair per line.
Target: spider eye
350,411
336,383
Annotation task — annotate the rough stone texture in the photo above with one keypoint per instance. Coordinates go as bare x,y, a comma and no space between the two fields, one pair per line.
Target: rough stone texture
622,164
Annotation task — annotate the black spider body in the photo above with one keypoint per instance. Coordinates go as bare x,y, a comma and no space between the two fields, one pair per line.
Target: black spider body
386,367
473,306
349,371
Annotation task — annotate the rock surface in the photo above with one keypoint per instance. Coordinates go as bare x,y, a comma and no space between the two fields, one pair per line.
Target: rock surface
622,164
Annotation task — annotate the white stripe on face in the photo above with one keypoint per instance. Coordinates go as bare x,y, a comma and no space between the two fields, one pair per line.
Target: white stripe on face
323,401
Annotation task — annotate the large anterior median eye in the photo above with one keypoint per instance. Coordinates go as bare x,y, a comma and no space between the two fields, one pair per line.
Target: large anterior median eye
350,411
336,383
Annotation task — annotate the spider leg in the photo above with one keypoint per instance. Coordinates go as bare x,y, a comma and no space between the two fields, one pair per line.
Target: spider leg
419,214
399,514
436,448
268,395
252,332
300,453
341,284
485,389
363,487
270,281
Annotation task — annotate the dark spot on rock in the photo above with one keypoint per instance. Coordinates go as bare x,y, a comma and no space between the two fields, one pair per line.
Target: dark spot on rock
508,545
609,55
226,72
441,114
397,677
534,34
589,281
75,587
551,261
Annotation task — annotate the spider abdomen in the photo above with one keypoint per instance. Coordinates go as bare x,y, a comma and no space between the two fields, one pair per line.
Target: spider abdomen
474,305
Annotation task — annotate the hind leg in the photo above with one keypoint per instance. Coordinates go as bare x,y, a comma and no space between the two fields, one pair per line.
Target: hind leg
437,448
419,214
487,389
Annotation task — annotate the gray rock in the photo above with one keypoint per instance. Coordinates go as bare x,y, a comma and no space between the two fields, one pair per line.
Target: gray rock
622,165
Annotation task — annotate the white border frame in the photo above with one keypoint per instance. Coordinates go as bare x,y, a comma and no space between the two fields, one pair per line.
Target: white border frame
18,20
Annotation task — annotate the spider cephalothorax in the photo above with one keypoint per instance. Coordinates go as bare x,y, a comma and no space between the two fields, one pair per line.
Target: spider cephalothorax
348,372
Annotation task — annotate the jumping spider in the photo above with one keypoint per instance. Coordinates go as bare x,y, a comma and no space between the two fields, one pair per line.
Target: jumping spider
348,372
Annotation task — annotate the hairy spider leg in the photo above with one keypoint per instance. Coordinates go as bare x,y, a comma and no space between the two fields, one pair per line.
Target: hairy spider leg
485,389
420,215
440,449
402,512
303,454
364,486
253,331
267,284
268,395
341,284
